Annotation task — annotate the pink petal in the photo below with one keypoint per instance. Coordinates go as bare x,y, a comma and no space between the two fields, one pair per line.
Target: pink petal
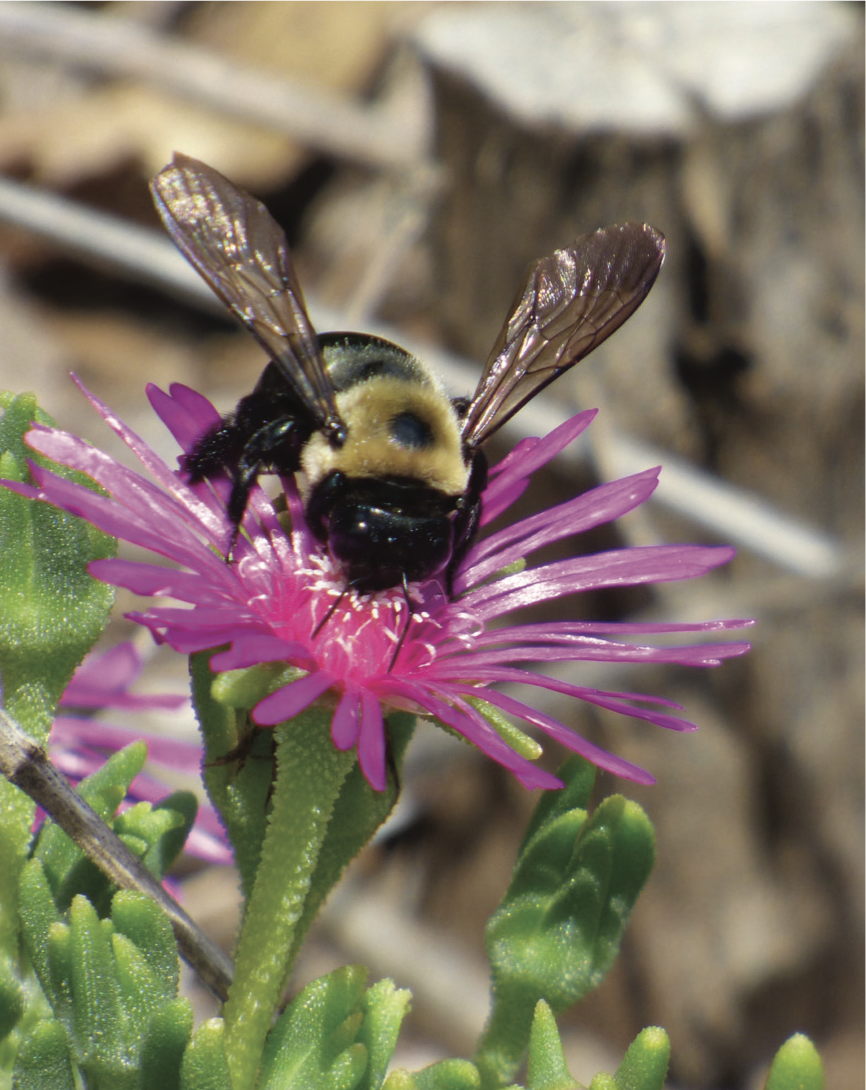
593,508
184,411
617,568
172,752
157,532
248,650
495,503
525,460
613,701
599,757
371,742
347,722
475,728
158,469
585,649
153,580
292,699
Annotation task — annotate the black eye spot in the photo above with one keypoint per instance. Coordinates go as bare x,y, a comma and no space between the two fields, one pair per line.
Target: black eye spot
410,431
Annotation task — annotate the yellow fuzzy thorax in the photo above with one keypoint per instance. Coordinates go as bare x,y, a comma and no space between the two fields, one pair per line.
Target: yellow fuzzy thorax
371,451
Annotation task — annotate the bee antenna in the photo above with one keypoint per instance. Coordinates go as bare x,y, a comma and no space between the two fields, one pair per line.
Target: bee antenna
410,611
332,609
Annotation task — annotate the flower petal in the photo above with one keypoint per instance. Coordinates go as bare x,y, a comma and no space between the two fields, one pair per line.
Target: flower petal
184,411
371,742
250,649
617,568
347,720
292,699
552,727
593,508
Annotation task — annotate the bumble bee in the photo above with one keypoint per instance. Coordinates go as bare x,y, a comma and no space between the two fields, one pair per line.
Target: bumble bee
390,469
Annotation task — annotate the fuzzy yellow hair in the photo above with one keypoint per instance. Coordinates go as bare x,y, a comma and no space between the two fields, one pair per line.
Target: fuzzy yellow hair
371,449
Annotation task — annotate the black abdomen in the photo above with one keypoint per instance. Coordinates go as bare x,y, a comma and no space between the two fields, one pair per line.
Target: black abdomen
383,531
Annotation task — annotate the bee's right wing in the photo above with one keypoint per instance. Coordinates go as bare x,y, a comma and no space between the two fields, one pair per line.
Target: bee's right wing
238,248
570,302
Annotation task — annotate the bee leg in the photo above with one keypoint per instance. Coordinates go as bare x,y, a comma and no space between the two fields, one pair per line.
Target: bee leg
275,446
467,520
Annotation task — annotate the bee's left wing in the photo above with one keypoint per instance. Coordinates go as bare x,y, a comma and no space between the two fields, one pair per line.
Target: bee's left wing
570,302
235,244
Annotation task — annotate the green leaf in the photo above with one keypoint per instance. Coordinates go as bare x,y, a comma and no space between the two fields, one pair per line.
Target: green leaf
645,1064
239,787
358,812
560,924
11,998
51,610
51,614
67,869
141,921
146,960
603,1081
205,1066
43,1061
579,778
165,1042
112,984
547,1069
796,1066
520,742
38,915
161,828
447,1075
384,1007
96,1024
314,1045
310,774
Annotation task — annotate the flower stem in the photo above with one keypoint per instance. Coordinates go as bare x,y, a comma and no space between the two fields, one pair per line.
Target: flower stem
310,775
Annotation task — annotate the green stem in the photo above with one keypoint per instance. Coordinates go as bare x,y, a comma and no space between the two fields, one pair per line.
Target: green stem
503,1043
310,775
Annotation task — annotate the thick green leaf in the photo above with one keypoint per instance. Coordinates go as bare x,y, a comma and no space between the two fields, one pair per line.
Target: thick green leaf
239,786
315,1045
310,774
162,1052
161,829
796,1066
358,813
445,1075
11,998
113,984
384,1006
205,1066
547,1069
43,1061
560,924
67,869
645,1064
51,610
144,924
51,614
603,1081
97,1024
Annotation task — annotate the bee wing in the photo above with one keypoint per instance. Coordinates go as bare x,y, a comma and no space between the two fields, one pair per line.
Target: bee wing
570,302
238,248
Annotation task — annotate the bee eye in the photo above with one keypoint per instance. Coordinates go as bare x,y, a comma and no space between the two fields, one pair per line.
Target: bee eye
410,431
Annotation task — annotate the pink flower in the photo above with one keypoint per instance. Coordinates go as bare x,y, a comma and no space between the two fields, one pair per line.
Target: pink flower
272,604
79,745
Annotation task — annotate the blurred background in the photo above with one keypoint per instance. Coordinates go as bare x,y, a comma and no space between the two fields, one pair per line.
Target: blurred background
419,155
